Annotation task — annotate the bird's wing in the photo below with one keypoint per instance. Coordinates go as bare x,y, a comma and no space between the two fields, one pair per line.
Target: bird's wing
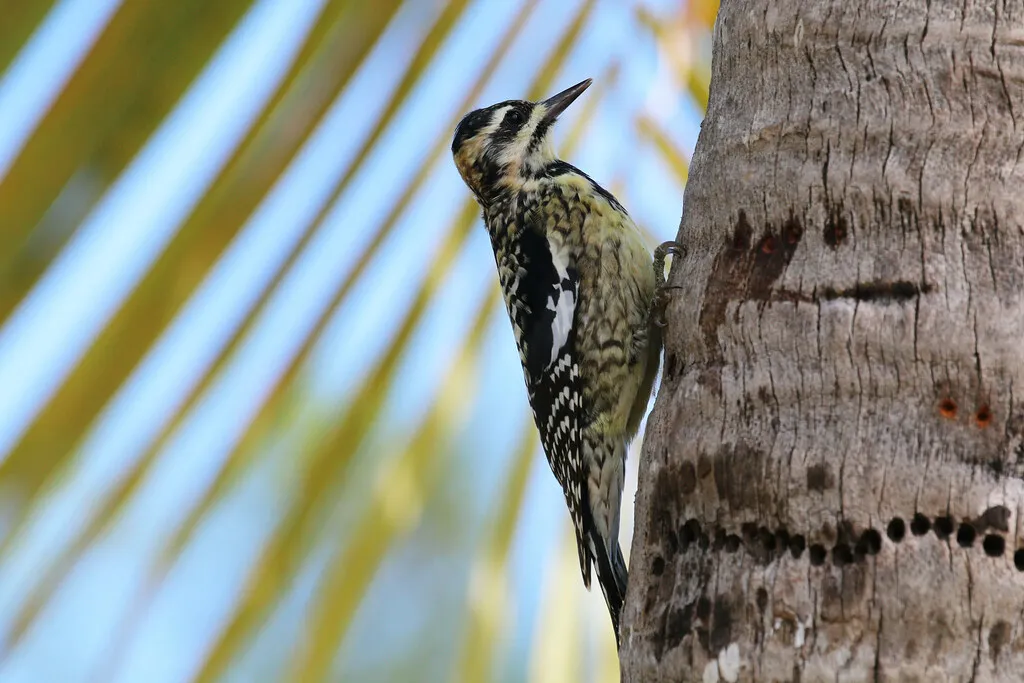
543,296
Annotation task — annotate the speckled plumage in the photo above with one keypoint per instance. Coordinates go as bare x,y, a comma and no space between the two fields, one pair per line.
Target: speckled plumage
565,247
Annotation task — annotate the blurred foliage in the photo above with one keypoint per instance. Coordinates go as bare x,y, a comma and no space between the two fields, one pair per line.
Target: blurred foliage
343,489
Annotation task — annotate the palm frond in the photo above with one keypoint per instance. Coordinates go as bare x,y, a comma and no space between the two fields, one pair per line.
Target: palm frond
195,200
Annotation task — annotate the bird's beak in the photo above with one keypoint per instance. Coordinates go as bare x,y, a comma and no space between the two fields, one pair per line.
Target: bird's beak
556,104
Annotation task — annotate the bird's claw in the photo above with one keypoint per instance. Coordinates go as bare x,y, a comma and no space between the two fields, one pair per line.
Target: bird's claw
669,247
660,301
665,249
660,295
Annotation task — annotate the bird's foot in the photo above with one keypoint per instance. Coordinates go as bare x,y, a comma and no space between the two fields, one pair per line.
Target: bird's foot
661,291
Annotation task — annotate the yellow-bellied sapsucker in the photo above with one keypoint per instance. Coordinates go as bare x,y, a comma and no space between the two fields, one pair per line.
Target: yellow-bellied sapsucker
580,290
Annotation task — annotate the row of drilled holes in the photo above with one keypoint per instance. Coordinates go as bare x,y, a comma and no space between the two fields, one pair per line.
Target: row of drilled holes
761,541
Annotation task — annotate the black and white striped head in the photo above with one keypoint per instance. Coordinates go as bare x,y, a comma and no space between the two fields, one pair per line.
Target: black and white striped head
497,147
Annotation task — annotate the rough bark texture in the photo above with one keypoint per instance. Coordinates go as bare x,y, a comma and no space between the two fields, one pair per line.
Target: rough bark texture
831,485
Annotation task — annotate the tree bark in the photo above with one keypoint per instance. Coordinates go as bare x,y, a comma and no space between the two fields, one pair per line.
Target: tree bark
831,483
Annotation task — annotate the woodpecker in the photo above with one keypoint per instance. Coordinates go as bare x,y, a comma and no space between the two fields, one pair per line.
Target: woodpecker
583,299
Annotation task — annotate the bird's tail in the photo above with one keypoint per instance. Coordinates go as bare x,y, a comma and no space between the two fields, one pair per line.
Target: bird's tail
612,575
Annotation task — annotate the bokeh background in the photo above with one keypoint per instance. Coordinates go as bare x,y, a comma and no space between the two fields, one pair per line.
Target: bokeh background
261,415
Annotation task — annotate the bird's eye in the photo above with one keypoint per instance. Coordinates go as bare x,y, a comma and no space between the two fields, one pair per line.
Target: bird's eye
514,117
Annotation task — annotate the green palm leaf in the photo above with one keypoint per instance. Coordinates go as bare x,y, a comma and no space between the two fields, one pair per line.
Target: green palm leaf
147,392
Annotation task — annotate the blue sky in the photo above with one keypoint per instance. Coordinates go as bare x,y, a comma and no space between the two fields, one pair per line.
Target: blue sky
139,214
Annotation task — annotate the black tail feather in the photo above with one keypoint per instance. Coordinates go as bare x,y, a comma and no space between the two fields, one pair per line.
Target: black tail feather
613,576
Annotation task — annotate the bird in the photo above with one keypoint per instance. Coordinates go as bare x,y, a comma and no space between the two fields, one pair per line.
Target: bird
583,295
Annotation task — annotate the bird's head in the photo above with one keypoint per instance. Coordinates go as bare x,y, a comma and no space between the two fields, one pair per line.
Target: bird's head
498,147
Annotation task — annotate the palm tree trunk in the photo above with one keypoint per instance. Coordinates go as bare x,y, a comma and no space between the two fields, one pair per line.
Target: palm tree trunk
831,484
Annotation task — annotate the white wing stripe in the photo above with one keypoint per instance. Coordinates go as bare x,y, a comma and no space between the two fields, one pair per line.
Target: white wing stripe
562,302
